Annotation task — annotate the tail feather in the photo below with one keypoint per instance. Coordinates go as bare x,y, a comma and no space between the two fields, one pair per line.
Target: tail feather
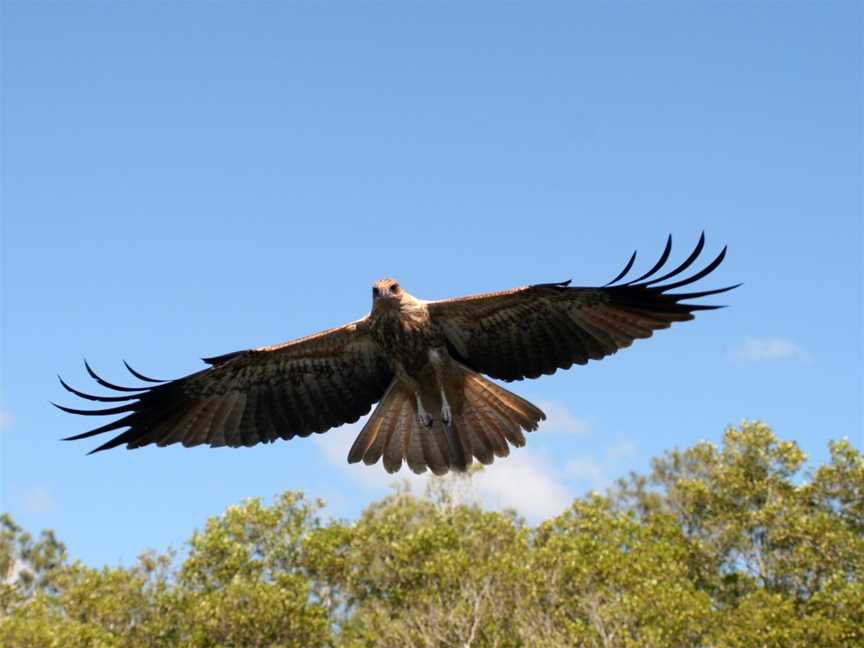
492,426
457,450
369,443
507,427
376,446
436,451
479,449
486,418
414,450
525,413
394,450
472,427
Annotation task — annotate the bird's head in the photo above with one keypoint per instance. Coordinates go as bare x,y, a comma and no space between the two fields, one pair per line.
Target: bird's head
386,291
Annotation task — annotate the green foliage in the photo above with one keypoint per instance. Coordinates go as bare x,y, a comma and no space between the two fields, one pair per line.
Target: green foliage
782,560
723,547
26,565
418,572
608,579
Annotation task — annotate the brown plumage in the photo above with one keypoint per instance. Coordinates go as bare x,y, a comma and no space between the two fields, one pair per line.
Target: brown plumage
422,360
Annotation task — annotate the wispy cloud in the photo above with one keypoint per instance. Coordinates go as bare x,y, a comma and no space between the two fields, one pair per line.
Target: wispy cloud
560,419
6,419
598,473
38,500
623,450
588,470
768,350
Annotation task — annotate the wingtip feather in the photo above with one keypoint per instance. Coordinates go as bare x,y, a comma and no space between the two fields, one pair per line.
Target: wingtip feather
107,384
624,272
141,376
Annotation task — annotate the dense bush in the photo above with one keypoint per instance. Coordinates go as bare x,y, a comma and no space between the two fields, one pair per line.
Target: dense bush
718,547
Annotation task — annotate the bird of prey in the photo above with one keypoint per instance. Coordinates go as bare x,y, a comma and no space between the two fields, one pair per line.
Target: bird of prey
423,362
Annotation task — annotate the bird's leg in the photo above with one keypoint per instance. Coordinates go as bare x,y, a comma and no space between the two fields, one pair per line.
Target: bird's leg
423,416
446,414
435,357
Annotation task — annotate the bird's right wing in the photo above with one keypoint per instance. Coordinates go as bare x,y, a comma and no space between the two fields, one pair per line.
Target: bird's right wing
307,385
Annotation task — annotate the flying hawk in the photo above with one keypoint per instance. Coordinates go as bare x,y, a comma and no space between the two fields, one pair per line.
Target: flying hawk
422,361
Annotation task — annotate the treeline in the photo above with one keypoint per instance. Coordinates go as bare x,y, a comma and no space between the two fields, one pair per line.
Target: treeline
719,547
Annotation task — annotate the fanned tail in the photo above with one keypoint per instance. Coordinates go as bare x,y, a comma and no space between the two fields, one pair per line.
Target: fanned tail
492,417
486,417
394,434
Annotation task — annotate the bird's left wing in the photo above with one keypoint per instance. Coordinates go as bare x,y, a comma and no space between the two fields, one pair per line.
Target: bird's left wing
534,330
257,396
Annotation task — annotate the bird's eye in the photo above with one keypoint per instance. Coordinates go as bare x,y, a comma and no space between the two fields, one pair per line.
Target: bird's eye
374,292
394,288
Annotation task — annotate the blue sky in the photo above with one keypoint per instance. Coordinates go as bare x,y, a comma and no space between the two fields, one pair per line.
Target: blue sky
186,179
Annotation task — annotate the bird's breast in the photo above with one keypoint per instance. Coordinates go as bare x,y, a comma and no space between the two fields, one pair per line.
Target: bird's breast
407,337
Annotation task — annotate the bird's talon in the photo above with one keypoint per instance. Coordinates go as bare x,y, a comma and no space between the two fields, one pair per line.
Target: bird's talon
423,416
446,415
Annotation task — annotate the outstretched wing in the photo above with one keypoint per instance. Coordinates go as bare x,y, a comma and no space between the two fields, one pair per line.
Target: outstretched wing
257,396
534,330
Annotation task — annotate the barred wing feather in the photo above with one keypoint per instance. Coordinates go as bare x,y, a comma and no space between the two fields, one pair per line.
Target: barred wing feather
257,396
534,330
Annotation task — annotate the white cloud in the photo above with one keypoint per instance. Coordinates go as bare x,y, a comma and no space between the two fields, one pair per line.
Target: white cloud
597,474
769,349
530,481
560,419
526,482
335,444
38,500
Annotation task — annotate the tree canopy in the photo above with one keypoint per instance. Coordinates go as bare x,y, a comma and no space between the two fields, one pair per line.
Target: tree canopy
736,545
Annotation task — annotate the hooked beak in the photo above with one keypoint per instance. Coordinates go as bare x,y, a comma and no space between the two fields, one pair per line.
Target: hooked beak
384,296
